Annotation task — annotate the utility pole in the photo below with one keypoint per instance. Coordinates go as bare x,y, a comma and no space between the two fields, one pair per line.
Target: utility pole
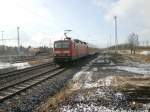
2,41
110,40
107,45
147,43
2,38
50,44
116,34
18,39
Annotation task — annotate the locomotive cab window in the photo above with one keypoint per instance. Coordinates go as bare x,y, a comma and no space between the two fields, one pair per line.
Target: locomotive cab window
62,44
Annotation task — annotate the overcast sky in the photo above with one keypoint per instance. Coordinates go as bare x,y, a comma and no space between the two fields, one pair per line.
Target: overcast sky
43,21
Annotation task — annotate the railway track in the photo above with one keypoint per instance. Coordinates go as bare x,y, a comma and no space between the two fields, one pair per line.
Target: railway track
140,94
16,72
20,75
21,86
30,58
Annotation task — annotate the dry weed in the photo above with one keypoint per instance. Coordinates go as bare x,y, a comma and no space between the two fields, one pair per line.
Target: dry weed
53,102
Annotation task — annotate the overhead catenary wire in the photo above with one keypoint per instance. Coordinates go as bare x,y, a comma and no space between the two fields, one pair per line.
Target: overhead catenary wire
30,11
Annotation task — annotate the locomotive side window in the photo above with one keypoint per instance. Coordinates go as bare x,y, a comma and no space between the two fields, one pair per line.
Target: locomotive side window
62,44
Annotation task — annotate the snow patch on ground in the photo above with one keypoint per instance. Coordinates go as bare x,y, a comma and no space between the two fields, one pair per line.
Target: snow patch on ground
101,82
100,61
95,69
21,65
5,65
17,65
84,80
145,53
94,99
145,70
89,108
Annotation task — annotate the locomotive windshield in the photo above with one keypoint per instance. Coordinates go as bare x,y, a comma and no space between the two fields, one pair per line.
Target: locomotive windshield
62,44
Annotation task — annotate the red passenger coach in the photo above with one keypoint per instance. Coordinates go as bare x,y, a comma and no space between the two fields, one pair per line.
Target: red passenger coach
69,50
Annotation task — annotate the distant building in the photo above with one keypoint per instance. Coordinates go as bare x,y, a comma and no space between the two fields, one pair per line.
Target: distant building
33,51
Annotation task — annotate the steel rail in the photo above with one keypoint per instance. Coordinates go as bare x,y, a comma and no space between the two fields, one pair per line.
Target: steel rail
28,83
28,78
16,72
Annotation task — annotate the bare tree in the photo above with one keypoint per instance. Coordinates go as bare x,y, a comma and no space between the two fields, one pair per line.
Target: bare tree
133,42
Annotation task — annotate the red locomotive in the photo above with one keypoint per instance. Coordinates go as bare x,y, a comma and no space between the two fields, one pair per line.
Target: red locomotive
68,50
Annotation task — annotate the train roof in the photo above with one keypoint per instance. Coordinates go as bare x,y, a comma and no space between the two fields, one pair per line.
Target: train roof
75,40
79,41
